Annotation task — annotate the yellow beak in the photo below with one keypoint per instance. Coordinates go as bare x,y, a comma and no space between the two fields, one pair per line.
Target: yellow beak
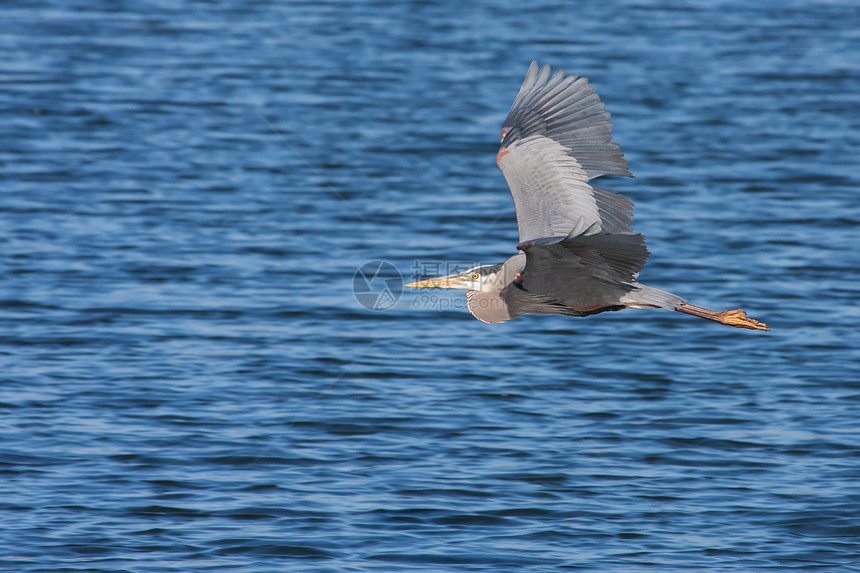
449,281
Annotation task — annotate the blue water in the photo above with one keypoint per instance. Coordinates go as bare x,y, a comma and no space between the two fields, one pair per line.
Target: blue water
189,383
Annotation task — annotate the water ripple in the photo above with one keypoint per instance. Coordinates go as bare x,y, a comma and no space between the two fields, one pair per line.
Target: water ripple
189,384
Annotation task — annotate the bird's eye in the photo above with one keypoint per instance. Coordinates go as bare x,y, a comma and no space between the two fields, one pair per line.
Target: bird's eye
475,276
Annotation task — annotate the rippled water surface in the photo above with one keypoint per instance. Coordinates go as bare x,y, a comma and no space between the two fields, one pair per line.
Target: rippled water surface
189,384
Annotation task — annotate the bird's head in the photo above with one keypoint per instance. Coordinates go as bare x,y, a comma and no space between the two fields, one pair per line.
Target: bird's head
486,278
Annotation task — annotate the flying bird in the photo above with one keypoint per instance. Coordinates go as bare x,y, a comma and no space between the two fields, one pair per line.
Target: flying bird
578,252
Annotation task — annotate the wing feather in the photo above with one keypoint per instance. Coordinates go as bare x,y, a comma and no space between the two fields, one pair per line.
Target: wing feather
559,108
556,138
551,195
586,272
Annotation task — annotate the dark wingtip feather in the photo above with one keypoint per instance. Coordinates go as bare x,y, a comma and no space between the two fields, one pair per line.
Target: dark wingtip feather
567,110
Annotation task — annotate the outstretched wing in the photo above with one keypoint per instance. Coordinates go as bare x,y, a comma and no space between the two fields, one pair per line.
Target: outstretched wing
585,273
556,138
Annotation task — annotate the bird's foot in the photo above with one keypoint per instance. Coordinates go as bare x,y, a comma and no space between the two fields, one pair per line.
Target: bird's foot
738,318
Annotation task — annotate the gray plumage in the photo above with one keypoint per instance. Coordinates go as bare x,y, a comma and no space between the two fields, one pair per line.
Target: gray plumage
555,139
567,111
576,276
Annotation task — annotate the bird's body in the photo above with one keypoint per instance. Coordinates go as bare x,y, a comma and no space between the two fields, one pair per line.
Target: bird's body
579,254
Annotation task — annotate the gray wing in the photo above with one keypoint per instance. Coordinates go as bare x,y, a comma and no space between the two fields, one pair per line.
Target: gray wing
556,138
585,273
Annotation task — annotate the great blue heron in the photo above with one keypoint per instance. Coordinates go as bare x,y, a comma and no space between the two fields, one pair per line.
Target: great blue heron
579,253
